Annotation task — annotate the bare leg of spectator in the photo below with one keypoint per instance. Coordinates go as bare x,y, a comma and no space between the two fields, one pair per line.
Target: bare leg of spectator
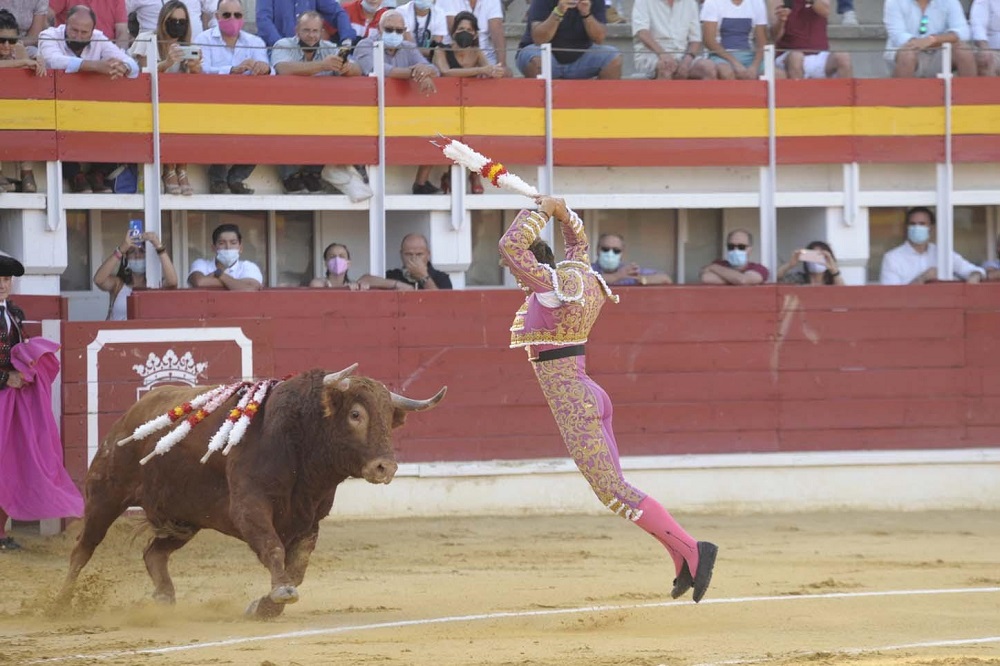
613,70
703,69
794,65
906,64
724,71
965,59
839,65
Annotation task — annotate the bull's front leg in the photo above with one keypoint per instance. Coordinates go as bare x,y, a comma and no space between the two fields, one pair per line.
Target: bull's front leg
254,519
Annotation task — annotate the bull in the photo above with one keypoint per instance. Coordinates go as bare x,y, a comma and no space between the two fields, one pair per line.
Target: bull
313,431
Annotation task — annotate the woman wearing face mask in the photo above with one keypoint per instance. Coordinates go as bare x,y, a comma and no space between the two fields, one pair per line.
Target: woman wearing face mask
464,58
338,259
125,271
13,54
173,28
811,271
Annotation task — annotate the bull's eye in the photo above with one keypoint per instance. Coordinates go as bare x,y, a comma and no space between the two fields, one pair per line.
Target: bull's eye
355,414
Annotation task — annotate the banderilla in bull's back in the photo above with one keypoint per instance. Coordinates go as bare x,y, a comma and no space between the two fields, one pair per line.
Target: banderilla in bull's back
298,439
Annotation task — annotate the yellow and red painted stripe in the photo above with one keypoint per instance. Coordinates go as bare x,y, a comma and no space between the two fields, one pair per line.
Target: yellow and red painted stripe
275,120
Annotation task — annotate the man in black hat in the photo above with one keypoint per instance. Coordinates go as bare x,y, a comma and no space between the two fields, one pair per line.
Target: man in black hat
11,319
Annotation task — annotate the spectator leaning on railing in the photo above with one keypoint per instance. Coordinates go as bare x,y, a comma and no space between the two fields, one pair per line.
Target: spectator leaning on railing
984,20
736,268
77,47
800,36
227,49
917,29
666,35
173,29
915,261
576,30
735,36
109,17
812,265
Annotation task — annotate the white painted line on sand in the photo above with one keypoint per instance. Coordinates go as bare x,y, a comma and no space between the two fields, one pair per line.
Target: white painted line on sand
857,651
500,615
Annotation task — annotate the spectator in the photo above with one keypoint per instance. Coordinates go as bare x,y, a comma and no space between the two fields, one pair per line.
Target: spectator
610,253
427,25
667,39
576,30
489,15
915,261
307,55
846,10
30,18
992,267
809,270
465,58
338,260
77,47
402,61
110,17
129,266
227,270
365,17
984,21
735,35
800,36
13,54
227,49
35,485
278,19
417,271
147,13
917,29
736,268
173,28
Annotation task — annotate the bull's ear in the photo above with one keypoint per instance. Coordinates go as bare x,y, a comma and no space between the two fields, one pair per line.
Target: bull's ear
398,417
333,396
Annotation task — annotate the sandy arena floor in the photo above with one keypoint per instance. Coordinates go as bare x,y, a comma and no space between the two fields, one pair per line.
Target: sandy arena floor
866,589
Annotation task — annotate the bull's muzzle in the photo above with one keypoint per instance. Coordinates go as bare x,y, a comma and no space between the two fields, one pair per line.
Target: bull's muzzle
380,470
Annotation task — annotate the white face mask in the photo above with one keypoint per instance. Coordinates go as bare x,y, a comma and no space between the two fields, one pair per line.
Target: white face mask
814,267
227,257
918,234
737,258
137,265
609,260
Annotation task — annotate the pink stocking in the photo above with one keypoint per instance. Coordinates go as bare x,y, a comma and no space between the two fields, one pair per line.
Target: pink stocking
657,521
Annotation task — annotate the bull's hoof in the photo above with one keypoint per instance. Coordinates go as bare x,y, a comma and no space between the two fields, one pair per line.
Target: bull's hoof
284,594
263,609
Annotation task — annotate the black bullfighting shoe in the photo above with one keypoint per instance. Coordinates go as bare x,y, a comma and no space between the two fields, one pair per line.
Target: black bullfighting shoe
682,583
706,562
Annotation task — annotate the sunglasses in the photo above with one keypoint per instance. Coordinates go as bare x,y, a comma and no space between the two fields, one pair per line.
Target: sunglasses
736,246
226,15
924,20
616,250
8,40
398,31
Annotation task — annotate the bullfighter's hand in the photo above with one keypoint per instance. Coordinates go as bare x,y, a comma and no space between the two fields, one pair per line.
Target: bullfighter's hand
15,379
546,205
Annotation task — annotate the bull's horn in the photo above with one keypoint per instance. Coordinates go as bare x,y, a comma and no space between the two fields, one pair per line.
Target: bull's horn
411,405
335,377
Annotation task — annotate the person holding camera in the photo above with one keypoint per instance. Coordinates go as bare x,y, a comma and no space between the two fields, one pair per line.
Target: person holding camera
799,30
816,265
173,36
125,270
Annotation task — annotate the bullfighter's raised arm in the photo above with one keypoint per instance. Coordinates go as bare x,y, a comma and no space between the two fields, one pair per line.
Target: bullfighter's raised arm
577,245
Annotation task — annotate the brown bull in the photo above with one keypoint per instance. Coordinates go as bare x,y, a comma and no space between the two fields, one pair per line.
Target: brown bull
312,432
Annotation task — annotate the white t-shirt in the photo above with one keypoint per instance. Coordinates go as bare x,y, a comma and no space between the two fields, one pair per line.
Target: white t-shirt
484,11
238,271
735,22
434,23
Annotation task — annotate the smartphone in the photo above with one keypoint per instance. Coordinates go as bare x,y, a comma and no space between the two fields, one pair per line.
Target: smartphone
344,53
191,52
788,3
135,232
814,256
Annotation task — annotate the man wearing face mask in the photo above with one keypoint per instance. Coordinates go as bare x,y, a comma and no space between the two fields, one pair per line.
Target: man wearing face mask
610,251
77,46
227,49
736,268
403,60
426,25
226,270
915,261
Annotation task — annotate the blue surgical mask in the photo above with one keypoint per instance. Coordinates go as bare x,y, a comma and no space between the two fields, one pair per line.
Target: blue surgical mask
392,40
369,7
737,258
609,260
423,4
918,234
137,265
227,257
814,267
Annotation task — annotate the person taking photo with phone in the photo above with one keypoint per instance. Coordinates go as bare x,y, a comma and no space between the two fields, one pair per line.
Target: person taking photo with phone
814,264
175,56
125,270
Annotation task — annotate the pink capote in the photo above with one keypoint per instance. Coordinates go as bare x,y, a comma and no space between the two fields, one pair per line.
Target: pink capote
34,485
